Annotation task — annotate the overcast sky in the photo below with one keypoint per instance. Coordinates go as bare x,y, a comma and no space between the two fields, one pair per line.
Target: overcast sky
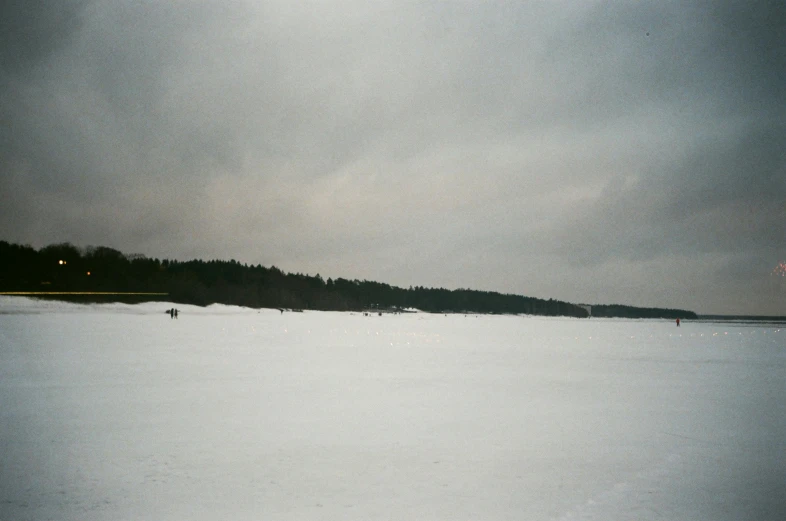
595,152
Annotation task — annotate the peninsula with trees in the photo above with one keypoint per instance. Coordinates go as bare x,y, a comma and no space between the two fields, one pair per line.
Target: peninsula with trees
101,274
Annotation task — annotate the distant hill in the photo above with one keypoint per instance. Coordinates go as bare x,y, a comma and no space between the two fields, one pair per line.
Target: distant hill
102,274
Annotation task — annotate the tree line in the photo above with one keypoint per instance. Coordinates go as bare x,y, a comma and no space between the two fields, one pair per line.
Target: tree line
620,311
66,268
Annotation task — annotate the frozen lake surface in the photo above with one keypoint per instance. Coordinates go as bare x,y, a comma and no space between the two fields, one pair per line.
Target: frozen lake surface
119,412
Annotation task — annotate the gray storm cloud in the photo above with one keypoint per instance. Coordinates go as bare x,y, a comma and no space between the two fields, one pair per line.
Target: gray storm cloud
592,152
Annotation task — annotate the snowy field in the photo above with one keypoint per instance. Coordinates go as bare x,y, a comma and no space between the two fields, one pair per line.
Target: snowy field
119,412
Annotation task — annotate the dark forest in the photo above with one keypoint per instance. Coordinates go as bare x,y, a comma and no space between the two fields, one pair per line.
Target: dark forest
65,268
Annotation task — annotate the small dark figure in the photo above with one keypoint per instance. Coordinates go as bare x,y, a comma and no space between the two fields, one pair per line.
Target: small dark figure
678,322
175,313
172,313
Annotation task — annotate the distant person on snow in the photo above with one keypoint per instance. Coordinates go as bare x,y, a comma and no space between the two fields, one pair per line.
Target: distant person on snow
175,313
678,322
172,313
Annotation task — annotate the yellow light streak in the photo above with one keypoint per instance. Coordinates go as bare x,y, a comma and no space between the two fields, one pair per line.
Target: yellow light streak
77,293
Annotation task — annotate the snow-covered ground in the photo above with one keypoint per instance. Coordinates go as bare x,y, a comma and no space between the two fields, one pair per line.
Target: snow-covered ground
119,412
